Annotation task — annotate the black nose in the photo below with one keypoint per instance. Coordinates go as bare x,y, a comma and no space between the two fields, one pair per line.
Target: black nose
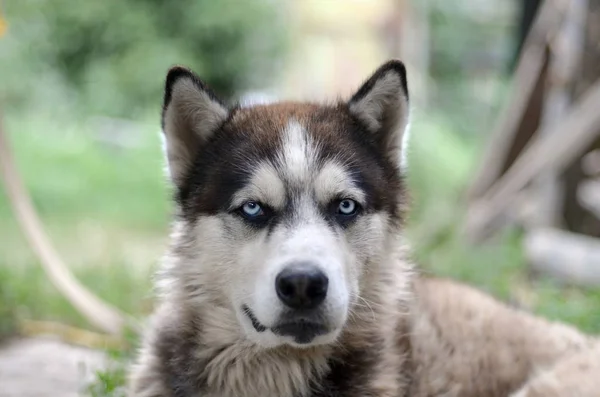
301,286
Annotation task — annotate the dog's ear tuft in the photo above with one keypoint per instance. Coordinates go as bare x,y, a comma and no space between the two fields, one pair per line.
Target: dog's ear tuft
381,104
191,114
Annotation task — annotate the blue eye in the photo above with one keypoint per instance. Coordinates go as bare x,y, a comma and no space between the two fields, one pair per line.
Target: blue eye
345,211
255,213
347,207
252,209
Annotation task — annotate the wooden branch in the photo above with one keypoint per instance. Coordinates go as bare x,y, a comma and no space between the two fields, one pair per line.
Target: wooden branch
96,311
588,195
71,335
528,73
565,57
570,257
590,163
554,150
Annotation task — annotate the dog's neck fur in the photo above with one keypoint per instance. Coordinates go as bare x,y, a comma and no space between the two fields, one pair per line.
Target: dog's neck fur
208,354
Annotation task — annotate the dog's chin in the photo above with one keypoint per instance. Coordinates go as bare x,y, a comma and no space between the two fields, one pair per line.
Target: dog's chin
298,332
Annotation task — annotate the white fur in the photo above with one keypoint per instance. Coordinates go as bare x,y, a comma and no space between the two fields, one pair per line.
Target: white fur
298,154
163,146
404,148
254,98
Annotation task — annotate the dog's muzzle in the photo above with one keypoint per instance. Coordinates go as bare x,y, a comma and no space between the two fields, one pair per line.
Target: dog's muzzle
302,289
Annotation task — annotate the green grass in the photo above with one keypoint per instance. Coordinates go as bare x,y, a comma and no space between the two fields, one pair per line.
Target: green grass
107,212
110,382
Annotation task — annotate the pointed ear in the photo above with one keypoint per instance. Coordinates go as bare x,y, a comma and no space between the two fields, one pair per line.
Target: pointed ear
381,104
191,114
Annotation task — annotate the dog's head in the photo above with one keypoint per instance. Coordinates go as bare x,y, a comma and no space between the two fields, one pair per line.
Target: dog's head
286,209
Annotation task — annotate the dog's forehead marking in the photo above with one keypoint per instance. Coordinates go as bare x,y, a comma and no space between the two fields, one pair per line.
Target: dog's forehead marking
298,156
300,164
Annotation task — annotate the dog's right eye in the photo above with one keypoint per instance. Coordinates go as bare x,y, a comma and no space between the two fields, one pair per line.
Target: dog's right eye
252,209
255,212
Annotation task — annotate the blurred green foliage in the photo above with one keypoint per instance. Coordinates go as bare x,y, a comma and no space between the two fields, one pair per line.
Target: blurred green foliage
470,42
110,56
8,314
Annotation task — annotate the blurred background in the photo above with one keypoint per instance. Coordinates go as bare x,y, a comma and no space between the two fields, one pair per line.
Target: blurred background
501,169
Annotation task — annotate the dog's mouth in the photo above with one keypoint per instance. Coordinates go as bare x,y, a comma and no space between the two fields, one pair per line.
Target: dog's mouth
302,329
258,327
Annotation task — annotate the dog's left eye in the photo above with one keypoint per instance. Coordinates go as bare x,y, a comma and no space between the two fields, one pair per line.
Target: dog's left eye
345,211
347,207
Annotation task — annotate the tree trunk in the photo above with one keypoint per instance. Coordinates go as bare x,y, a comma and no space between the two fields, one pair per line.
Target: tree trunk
528,10
576,217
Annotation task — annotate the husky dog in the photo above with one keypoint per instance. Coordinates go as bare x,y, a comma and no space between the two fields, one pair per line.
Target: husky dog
288,275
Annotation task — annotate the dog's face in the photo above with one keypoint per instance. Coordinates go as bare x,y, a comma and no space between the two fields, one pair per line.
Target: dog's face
287,207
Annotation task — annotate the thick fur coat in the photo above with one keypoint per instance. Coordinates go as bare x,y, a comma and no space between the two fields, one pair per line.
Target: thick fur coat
319,189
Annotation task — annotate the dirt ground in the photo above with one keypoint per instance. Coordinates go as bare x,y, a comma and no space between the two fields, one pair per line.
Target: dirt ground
44,367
